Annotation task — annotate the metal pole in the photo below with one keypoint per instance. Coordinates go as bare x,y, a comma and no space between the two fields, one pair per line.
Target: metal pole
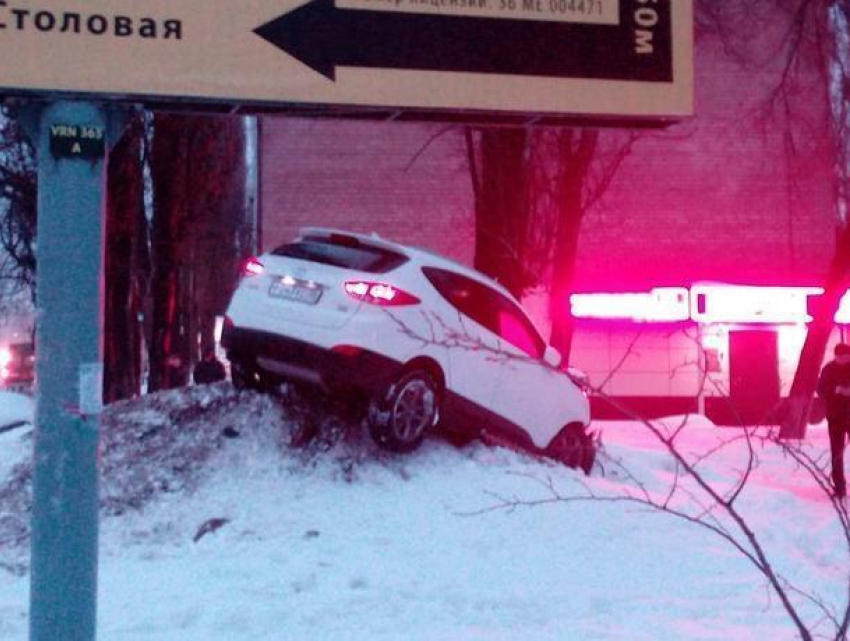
71,197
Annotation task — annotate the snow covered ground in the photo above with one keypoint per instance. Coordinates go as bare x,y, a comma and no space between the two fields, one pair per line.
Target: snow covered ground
337,540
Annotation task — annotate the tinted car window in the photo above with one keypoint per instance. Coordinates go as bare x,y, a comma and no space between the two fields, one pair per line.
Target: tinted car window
489,308
350,254
466,295
515,328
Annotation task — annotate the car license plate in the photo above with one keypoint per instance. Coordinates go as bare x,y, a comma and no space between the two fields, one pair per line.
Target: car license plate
296,292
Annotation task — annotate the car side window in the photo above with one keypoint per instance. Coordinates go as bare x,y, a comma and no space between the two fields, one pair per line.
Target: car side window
488,308
468,296
515,328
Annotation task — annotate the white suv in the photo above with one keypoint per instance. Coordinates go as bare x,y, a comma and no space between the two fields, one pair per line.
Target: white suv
421,338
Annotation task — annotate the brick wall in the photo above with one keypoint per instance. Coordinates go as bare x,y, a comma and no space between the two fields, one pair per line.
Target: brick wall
407,182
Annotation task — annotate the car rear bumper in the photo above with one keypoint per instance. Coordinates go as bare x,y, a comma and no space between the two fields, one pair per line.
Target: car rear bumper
342,368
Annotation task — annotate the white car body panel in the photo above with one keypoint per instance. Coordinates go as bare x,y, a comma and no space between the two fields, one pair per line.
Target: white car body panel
478,365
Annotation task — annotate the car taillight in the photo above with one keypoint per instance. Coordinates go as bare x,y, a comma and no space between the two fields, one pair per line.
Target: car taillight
5,357
347,350
252,267
379,294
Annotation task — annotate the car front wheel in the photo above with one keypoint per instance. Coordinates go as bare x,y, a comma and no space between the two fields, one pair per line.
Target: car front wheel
573,447
402,417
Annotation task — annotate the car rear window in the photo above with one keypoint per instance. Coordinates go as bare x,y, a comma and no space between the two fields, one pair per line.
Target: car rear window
347,252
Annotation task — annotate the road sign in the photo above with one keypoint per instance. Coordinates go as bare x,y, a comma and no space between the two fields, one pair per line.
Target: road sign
63,576
600,57
76,141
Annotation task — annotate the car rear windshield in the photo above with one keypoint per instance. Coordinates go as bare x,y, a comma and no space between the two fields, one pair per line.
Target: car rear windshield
347,252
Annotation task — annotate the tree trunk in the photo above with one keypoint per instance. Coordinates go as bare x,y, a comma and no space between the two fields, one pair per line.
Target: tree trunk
220,212
805,381
199,185
122,367
168,169
501,205
576,149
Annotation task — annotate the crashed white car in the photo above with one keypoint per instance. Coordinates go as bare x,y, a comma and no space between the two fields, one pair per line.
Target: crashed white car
423,340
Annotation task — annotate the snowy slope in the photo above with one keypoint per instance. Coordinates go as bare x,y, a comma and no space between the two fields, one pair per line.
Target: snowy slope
339,541
14,408
16,413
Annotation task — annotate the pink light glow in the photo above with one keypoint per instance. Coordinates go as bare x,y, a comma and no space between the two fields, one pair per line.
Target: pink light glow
253,267
707,304
749,304
661,304
842,316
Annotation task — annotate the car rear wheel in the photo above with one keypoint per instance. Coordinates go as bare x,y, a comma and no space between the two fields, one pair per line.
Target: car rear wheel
400,420
573,447
244,375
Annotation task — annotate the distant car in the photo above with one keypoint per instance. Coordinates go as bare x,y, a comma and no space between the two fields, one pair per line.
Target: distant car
17,366
422,339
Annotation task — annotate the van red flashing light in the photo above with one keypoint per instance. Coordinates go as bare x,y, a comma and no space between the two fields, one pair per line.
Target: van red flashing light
661,304
750,304
379,294
252,267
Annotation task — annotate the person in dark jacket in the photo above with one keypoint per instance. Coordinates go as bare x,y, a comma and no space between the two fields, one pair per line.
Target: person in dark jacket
209,370
834,389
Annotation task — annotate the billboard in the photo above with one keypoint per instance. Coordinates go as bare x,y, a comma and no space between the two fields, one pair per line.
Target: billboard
579,57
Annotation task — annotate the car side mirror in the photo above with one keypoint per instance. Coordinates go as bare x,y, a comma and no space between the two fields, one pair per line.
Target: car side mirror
580,378
552,356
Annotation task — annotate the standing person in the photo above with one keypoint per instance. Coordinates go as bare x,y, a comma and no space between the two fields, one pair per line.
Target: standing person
834,389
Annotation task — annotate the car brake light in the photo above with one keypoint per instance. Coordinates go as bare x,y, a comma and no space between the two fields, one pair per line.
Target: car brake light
379,294
252,267
347,350
5,357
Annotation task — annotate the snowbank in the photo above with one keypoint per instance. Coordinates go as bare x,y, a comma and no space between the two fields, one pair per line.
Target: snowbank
15,408
337,540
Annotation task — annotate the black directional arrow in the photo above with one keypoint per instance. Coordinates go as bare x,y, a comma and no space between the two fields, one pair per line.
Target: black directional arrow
324,37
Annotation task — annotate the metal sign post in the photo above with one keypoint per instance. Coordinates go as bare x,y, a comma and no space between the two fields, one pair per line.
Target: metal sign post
70,139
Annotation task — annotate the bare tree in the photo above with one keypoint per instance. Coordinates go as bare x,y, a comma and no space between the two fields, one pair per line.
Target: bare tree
808,56
127,263
690,492
574,168
532,189
18,197
694,496
198,174
829,21
499,169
